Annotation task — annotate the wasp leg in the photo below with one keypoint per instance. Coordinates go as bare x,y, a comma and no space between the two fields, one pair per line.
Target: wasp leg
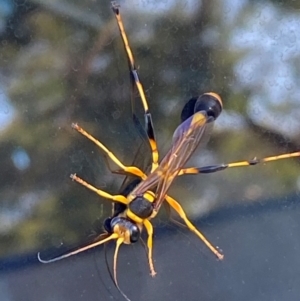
149,229
254,161
177,207
134,78
115,198
127,169
171,218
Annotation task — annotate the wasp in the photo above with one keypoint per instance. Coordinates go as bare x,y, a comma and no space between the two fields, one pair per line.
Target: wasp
141,199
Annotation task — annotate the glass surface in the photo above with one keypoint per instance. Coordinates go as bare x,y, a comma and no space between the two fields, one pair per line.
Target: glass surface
63,62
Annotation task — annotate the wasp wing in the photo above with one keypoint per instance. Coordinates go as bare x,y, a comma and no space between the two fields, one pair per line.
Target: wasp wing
188,136
186,139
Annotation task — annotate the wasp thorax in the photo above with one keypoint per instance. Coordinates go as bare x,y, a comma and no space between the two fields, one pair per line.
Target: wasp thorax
125,228
141,207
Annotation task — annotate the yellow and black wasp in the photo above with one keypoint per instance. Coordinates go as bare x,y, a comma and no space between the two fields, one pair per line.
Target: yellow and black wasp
141,198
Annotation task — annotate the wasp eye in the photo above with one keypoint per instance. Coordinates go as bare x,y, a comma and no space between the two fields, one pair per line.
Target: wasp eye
134,233
116,221
126,226
107,225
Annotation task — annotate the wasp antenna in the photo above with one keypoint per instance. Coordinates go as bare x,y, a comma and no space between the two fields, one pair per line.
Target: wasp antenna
93,245
107,265
118,244
50,260
39,258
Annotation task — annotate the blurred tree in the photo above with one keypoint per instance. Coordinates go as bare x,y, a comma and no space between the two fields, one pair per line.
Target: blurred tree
68,65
